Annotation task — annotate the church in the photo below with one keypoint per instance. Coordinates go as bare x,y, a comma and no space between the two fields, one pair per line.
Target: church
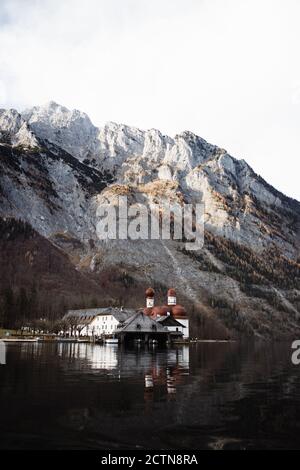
171,315
158,323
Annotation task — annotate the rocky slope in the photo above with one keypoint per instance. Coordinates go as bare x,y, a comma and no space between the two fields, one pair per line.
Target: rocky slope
56,168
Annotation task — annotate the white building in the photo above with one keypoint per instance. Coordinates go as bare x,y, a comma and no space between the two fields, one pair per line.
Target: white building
175,327
96,322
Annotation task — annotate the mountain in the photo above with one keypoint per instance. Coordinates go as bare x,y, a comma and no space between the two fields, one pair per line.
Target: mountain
37,278
56,168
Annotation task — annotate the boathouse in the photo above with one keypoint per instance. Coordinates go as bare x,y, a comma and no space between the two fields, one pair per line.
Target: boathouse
143,328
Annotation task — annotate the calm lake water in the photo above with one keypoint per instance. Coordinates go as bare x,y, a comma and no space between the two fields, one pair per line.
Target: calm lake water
204,396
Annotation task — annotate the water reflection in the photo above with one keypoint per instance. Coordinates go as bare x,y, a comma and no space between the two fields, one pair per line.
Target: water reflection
127,362
214,395
97,357
2,353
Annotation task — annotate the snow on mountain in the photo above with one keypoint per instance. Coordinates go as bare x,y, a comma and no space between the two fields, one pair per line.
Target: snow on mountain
238,204
70,130
56,167
113,144
15,130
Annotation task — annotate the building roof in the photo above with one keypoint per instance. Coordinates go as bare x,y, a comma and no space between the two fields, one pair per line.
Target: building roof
87,315
141,323
178,311
168,320
160,311
147,311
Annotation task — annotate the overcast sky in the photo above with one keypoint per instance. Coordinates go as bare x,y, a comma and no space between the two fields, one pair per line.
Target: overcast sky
228,70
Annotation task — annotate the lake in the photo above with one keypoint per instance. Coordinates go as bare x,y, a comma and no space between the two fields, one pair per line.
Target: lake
202,396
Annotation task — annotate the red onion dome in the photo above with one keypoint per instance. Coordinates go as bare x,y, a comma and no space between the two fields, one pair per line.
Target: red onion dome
149,292
178,311
171,293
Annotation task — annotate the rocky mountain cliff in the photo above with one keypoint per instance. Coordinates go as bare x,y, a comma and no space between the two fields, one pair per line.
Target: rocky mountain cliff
56,168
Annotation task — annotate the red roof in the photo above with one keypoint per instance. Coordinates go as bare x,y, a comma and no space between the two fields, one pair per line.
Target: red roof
160,311
178,311
148,311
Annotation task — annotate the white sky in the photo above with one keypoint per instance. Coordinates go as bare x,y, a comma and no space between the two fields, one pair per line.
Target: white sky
228,70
